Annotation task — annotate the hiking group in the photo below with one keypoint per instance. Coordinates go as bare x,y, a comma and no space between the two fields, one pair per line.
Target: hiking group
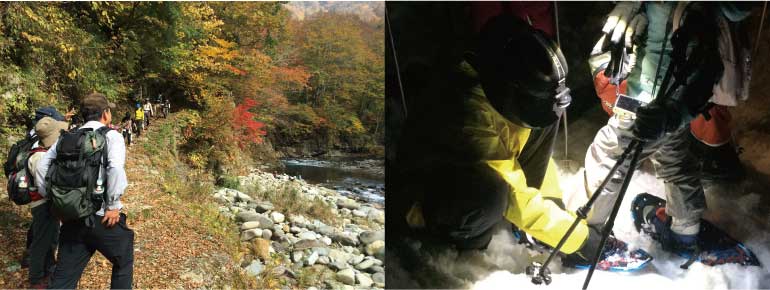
475,149
72,177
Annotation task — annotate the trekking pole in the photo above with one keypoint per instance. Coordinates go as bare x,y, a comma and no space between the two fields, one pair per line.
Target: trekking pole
540,273
609,224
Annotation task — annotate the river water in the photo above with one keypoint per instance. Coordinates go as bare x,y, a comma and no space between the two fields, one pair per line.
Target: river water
362,179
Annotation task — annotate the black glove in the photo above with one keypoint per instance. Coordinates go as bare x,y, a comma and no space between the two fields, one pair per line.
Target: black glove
654,120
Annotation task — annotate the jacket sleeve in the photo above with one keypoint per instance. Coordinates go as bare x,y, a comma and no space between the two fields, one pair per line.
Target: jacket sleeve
531,212
530,209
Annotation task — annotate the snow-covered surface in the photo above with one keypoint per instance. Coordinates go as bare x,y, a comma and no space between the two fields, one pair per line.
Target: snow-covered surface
663,272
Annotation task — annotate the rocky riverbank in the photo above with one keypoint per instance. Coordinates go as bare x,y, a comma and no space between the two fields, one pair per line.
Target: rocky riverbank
347,248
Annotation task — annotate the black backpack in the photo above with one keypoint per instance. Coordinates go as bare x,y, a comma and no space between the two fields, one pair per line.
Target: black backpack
73,182
15,168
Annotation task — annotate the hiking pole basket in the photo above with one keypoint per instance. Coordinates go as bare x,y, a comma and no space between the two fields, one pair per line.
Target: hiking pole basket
539,272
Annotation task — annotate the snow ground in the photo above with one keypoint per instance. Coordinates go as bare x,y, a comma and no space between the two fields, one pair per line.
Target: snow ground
664,271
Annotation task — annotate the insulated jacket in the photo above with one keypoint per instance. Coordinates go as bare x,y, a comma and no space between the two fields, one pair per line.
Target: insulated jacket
456,129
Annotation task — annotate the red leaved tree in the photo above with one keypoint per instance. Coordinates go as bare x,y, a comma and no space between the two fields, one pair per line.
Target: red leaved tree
247,130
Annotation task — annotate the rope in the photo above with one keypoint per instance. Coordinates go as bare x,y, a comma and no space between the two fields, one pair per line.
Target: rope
395,60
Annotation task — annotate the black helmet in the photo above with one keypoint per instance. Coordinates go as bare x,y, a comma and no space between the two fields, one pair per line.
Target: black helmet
523,72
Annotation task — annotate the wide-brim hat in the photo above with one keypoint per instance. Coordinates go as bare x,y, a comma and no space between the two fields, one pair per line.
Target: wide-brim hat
49,130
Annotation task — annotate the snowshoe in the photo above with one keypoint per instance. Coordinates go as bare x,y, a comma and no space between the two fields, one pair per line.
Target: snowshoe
712,246
616,257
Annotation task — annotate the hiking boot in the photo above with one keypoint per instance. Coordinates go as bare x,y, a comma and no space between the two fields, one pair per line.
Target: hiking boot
649,213
615,257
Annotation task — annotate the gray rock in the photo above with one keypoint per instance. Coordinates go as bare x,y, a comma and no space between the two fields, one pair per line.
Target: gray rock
338,265
295,230
264,221
359,213
344,238
312,258
369,237
327,241
249,225
247,216
279,235
376,249
379,279
376,269
364,280
377,262
309,235
264,207
366,264
337,255
376,215
249,235
347,203
324,260
223,199
296,256
346,276
242,197
254,268
267,234
325,230
297,219
277,217
323,251
307,244
355,260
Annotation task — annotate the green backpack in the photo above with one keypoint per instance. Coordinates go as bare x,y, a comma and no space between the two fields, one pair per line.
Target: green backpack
74,181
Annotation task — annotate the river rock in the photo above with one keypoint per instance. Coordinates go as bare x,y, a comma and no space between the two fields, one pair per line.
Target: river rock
376,215
365,264
254,268
344,202
379,279
247,216
345,239
364,280
296,256
279,235
295,230
267,234
376,249
369,237
324,260
309,235
346,276
376,269
249,235
338,265
312,258
297,219
327,241
355,260
337,255
325,230
277,217
242,197
264,222
263,207
307,244
322,251
359,213
249,225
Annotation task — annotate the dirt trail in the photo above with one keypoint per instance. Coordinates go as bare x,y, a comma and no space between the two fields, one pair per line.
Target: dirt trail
172,245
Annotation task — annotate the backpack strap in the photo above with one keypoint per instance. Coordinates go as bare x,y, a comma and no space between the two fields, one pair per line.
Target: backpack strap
105,162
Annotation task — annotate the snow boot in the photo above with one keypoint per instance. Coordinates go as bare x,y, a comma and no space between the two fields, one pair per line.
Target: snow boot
711,246
616,257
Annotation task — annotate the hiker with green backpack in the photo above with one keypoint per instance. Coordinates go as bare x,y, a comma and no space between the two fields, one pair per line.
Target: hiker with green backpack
84,178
